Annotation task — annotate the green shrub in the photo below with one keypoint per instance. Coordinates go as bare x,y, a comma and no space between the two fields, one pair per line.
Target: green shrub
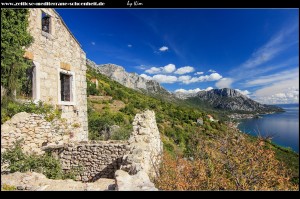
91,89
6,187
46,164
122,134
11,107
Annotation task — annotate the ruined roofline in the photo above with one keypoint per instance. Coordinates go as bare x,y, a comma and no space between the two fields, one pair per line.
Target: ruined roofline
63,22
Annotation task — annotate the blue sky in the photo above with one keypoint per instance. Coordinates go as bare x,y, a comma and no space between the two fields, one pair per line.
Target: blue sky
188,50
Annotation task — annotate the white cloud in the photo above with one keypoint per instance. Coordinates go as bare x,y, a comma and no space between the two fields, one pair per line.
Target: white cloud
224,83
181,90
184,78
129,45
168,79
244,92
146,76
279,92
184,70
191,91
163,48
166,69
169,68
291,95
199,73
214,77
153,70
209,88
211,71
93,43
204,78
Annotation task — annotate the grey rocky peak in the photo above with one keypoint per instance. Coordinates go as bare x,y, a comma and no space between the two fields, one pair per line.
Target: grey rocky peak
184,95
231,100
130,80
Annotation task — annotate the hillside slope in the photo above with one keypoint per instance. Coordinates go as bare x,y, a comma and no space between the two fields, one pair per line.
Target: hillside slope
222,153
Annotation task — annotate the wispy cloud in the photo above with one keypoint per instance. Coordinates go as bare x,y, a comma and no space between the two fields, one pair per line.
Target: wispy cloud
199,73
129,45
268,68
93,43
211,71
273,47
224,83
273,78
174,46
277,44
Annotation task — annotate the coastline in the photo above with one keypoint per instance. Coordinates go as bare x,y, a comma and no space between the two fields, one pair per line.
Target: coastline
240,116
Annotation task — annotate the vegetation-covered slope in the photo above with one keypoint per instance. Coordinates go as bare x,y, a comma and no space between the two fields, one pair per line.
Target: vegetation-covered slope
208,156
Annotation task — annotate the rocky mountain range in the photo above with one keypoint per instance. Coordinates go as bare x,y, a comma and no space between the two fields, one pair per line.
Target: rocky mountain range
230,100
130,80
221,99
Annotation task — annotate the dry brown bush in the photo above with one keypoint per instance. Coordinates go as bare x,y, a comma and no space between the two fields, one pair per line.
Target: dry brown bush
227,161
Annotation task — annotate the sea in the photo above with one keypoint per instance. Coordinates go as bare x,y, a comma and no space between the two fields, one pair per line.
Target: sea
282,127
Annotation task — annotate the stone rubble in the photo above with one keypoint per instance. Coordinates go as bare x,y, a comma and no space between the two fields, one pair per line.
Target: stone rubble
137,182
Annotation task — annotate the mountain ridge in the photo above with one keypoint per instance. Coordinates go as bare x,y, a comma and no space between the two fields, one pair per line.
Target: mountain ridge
130,80
231,100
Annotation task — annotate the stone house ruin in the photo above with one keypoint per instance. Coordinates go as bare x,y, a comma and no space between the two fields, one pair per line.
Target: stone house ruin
58,77
59,68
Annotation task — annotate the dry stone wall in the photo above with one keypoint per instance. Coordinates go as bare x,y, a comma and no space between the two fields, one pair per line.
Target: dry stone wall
142,152
95,159
34,131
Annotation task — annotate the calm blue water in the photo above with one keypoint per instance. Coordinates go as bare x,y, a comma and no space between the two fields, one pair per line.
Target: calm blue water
283,126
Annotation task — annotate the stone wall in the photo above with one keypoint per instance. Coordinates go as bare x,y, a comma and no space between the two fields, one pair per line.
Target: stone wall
139,156
35,132
51,54
145,146
101,159
95,159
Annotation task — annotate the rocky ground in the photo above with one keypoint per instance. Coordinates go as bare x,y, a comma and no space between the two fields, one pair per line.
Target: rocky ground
32,181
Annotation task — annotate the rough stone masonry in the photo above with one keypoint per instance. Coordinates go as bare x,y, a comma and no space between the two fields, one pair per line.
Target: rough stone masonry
139,156
59,68
142,152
